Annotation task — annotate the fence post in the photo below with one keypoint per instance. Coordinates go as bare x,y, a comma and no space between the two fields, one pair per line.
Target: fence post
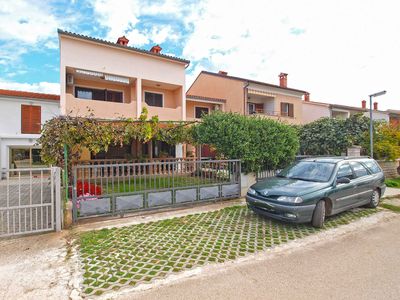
55,171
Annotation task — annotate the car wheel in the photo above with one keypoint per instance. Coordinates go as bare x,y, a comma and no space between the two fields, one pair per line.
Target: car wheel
318,217
375,199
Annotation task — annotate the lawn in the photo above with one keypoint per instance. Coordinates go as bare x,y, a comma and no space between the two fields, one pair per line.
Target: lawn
129,256
157,182
394,183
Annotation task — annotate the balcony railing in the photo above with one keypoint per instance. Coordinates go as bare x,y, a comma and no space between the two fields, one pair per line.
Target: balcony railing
270,113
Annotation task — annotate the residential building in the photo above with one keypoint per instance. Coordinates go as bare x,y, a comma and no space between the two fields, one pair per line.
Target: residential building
211,91
313,111
394,117
22,115
113,80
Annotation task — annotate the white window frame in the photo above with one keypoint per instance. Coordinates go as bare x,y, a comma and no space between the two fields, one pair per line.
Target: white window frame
199,106
154,92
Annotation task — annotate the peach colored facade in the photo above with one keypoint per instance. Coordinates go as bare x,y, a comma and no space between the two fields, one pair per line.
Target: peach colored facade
247,97
94,64
313,111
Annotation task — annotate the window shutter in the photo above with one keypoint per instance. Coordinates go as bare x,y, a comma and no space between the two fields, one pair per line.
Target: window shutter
283,113
30,119
291,110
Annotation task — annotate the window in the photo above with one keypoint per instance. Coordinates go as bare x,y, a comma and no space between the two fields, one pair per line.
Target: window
153,99
25,158
359,169
251,108
287,109
97,94
31,119
199,111
345,171
373,166
309,171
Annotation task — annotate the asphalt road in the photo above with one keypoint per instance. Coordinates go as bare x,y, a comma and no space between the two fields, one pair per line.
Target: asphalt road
363,264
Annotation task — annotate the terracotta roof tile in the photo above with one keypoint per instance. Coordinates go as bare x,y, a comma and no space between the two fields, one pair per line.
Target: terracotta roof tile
23,94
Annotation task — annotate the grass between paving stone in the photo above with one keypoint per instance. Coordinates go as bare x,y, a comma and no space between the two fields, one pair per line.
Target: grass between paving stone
391,207
132,255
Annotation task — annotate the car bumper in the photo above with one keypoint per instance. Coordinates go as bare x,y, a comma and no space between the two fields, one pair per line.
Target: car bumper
290,213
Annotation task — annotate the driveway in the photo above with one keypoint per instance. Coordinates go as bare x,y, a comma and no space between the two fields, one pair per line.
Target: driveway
360,264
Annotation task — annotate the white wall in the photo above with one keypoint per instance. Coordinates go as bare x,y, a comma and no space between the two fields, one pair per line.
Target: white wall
378,115
10,124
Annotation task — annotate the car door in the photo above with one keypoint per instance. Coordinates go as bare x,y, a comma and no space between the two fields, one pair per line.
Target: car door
363,181
344,193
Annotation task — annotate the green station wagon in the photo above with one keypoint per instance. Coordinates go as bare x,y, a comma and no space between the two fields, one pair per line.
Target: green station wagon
313,188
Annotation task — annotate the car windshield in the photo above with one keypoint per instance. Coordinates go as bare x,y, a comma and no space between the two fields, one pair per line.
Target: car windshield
309,171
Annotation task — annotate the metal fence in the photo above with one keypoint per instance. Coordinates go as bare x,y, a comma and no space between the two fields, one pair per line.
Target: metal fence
30,201
114,189
261,175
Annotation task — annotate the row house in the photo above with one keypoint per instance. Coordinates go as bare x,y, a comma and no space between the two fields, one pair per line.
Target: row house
114,80
22,115
220,91
313,111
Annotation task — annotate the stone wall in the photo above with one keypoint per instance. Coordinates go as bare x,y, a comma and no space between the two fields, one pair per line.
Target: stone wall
390,168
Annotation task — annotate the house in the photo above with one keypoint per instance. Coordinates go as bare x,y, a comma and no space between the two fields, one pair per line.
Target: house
220,91
313,111
22,115
108,80
394,117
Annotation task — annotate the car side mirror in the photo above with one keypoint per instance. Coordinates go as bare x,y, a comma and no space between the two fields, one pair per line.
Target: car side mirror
341,180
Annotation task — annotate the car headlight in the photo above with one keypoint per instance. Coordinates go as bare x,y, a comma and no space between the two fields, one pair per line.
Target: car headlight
289,199
251,191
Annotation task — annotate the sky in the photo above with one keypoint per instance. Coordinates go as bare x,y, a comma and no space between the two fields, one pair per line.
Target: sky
339,51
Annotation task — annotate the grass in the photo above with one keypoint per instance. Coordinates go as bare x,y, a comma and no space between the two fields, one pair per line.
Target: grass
138,254
157,182
394,183
391,207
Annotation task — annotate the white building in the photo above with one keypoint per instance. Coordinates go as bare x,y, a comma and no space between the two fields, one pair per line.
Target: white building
22,115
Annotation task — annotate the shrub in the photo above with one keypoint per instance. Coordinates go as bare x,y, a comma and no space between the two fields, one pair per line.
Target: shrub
329,136
260,143
386,141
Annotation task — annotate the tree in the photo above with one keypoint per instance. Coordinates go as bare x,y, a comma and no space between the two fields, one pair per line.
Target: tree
260,143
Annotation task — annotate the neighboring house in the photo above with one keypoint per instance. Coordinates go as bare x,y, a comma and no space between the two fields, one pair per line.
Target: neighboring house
394,117
313,111
22,115
114,80
221,91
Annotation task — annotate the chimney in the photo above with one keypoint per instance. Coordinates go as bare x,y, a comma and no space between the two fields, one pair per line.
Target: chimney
375,105
364,104
123,41
283,80
307,97
156,49
223,73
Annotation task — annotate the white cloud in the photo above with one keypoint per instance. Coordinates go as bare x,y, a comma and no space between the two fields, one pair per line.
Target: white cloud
340,51
39,87
26,21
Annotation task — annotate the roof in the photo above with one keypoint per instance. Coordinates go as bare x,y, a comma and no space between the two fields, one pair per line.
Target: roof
22,94
253,81
205,98
334,159
108,43
349,107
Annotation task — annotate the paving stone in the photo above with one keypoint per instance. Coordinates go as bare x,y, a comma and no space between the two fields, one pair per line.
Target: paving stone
137,254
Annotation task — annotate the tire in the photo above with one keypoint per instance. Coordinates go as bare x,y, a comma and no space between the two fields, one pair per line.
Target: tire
318,217
375,199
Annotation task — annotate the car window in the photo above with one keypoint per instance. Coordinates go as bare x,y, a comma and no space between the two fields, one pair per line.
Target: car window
359,169
372,166
345,171
309,171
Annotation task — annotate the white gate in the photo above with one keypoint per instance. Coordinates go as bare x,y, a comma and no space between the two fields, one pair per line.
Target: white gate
30,201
